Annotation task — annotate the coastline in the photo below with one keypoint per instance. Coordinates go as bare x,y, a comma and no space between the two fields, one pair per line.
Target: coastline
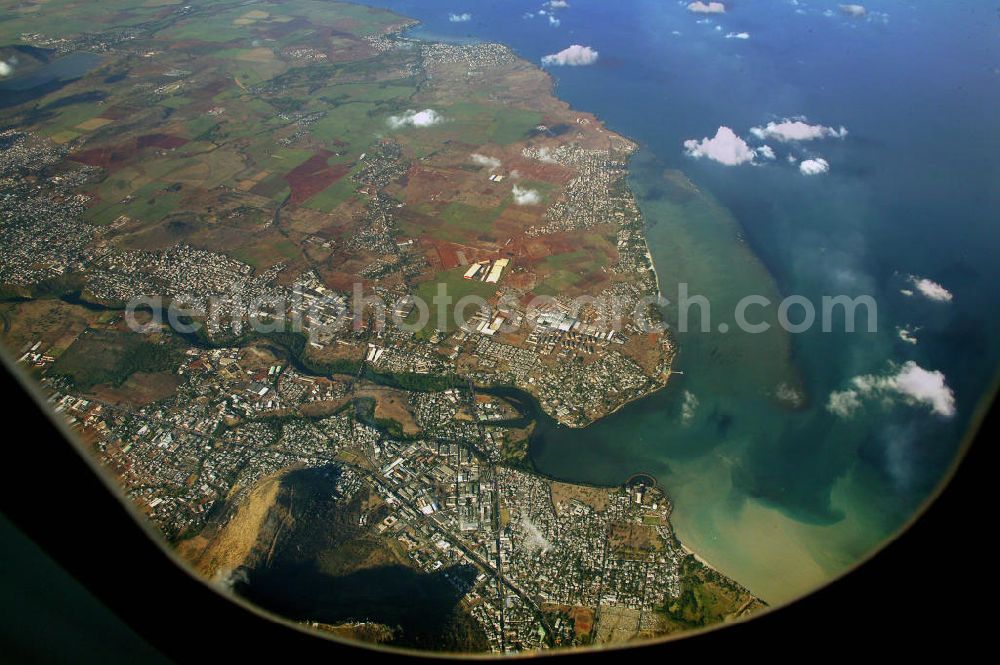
756,474
768,485
660,381
635,147
630,147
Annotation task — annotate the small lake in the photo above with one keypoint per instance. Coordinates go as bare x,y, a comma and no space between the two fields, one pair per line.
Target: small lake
38,82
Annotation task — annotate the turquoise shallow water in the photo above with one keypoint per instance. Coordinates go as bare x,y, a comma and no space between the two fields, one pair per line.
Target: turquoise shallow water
784,498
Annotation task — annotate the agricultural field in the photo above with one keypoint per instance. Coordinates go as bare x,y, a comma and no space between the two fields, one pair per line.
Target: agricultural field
216,108
457,288
223,119
53,323
294,156
111,357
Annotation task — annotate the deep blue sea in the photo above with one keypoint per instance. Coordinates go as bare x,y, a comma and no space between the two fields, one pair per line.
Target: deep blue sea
783,498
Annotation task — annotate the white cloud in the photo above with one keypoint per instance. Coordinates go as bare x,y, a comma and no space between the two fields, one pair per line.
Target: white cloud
767,152
789,395
930,290
7,68
843,403
689,407
545,155
796,130
909,383
707,7
572,56
859,12
738,35
553,21
815,166
929,388
557,4
460,18
907,334
424,118
725,147
853,10
483,160
526,197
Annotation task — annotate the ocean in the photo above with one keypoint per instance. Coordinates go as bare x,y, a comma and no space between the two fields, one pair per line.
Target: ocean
769,484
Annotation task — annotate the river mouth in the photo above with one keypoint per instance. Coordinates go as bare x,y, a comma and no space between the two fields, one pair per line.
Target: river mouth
697,460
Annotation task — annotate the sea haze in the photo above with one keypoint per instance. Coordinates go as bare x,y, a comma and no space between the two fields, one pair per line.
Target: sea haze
783,498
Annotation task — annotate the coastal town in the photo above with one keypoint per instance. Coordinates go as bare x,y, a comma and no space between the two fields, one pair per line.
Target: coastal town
543,348
219,280
442,502
558,564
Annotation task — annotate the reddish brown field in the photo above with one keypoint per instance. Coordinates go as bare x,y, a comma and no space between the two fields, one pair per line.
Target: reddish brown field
514,220
593,283
538,248
279,31
313,176
562,243
191,45
536,170
421,179
103,157
207,92
165,141
448,254
115,156
583,620
520,280
340,281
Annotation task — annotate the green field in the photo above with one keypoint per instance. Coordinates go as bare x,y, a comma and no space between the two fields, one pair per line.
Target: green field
65,18
336,194
456,287
557,283
151,203
263,257
562,272
463,217
110,357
